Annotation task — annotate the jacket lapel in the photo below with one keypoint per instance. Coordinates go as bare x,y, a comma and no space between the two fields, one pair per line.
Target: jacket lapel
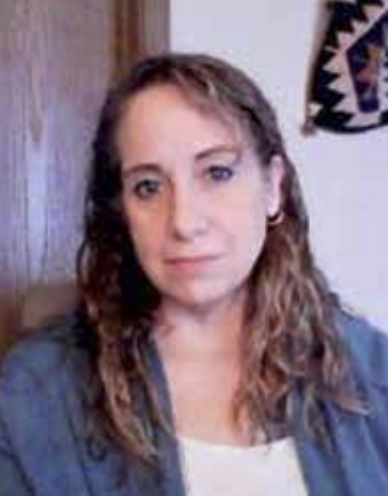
105,469
350,463
320,464
171,478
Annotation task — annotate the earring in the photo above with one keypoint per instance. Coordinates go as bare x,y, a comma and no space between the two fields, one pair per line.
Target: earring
275,220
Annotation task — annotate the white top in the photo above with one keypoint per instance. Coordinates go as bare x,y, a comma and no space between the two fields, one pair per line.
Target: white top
222,470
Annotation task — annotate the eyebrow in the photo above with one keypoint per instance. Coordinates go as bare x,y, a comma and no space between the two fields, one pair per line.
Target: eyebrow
202,155
140,168
237,149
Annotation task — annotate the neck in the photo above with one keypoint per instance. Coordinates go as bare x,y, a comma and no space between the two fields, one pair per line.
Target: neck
212,329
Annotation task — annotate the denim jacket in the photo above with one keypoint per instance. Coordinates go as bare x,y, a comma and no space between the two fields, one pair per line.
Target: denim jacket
46,447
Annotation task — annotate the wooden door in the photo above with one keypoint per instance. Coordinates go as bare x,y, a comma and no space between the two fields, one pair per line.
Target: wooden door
56,61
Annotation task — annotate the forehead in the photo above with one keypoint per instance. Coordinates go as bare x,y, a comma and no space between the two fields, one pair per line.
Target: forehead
204,101
164,113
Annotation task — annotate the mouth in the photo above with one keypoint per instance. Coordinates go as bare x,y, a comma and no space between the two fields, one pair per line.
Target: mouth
191,263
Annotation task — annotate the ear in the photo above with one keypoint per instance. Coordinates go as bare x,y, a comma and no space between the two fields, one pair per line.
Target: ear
275,174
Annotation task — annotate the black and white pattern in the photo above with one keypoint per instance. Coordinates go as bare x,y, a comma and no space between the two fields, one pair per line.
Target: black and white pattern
348,90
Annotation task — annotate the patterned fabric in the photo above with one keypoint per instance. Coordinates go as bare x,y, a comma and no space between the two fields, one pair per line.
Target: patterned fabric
348,88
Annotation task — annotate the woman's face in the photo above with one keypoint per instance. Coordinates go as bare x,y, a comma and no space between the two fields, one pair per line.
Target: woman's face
195,197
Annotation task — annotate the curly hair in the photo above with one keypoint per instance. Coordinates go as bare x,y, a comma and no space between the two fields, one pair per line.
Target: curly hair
289,340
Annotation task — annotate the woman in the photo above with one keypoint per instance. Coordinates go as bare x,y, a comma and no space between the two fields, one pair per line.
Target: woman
208,354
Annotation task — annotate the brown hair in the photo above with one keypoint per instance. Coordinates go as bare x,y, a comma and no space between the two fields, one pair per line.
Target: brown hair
289,338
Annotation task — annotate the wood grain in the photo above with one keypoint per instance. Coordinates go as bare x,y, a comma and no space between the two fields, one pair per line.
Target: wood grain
55,64
56,60
142,28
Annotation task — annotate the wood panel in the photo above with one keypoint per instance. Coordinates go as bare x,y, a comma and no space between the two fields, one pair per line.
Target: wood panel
142,28
55,65
56,61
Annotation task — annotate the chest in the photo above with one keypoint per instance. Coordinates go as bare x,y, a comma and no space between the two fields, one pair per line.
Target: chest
202,394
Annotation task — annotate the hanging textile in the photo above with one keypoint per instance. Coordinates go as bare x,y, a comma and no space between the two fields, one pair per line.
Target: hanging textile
348,87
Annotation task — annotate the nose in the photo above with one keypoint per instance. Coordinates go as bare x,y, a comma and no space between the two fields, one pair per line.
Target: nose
188,218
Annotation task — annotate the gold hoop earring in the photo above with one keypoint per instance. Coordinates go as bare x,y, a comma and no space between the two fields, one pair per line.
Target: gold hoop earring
275,220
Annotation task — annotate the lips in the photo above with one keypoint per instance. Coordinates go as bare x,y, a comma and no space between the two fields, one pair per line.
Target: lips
191,264
191,259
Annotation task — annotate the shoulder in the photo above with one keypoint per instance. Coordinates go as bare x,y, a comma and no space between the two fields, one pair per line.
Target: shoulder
367,347
41,357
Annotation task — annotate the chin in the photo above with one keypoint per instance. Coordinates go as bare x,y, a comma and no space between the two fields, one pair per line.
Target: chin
202,297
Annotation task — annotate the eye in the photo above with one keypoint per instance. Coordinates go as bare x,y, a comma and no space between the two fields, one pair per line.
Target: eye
220,173
146,188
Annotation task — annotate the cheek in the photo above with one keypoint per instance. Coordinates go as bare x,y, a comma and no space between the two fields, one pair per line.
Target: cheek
146,238
253,233
136,232
250,229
